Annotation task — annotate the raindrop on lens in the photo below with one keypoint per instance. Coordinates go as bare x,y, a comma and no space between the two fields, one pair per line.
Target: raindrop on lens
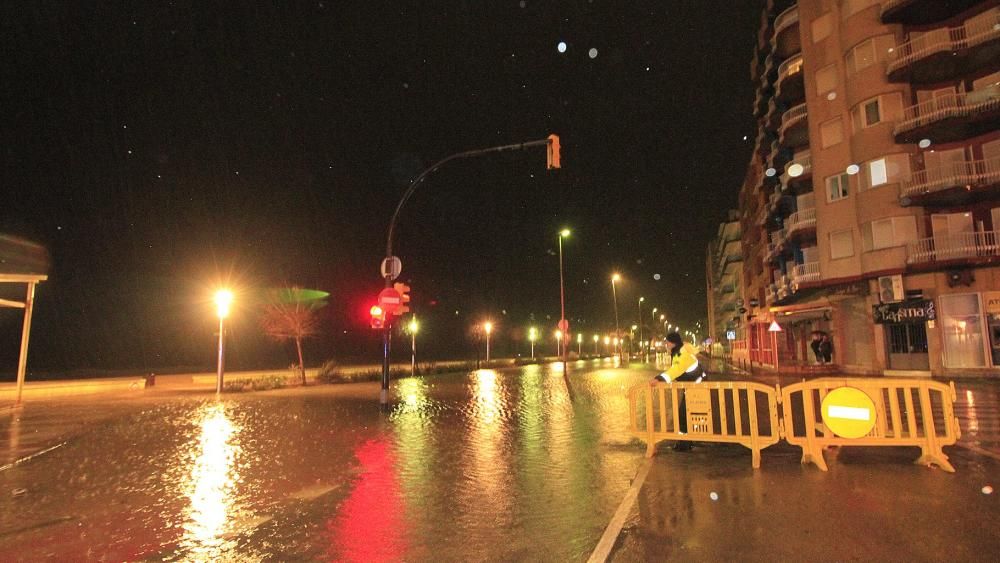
987,490
831,96
853,169
770,172
592,53
561,47
714,495
924,143
795,170
656,277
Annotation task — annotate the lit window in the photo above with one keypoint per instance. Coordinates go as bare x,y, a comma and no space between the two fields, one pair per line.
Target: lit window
877,174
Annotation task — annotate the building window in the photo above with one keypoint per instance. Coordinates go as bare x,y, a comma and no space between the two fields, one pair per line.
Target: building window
821,27
837,187
888,169
831,132
962,324
869,52
851,7
826,79
889,232
841,244
887,107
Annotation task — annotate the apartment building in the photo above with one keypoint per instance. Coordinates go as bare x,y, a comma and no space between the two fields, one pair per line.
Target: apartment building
724,275
870,210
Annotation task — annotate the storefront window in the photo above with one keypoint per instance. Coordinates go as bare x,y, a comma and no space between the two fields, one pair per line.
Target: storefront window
961,321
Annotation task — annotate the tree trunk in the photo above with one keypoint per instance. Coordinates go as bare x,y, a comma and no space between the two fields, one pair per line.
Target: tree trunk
302,365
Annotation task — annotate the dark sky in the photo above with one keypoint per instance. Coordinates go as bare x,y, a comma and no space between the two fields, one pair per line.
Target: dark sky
158,149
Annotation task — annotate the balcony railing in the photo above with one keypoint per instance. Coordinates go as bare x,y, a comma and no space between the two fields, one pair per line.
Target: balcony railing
791,116
790,67
979,244
805,273
785,19
952,175
801,219
961,104
778,238
973,32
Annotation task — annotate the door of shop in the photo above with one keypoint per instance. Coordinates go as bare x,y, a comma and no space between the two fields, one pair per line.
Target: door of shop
907,346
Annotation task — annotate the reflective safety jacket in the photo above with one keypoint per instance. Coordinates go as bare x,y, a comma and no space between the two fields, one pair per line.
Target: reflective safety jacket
684,363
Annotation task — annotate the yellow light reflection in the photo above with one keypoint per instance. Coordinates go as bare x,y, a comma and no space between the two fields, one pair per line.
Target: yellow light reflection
973,413
210,485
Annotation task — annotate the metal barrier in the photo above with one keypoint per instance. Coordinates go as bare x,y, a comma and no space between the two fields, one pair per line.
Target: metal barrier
717,411
927,418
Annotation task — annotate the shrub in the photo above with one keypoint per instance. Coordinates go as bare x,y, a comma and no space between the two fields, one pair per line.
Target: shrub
255,384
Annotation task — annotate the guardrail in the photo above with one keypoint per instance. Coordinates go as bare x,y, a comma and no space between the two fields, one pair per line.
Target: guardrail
914,425
717,411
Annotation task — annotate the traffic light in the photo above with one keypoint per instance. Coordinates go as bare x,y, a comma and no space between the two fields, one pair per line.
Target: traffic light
378,317
404,298
553,152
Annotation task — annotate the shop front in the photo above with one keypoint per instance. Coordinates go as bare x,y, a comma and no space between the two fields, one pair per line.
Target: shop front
905,325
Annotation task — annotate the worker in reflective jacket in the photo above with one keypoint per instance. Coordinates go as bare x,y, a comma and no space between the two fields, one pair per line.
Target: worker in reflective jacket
684,367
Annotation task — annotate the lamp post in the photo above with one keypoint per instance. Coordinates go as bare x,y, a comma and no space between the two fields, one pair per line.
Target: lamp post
579,344
596,340
532,336
641,299
413,327
223,299
614,295
488,329
559,343
562,300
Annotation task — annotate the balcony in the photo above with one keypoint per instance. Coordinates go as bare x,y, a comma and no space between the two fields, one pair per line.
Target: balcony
797,173
951,117
947,250
790,86
786,41
794,129
804,273
923,12
948,52
953,184
800,221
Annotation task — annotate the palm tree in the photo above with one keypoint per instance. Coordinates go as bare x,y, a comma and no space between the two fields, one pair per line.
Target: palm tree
292,313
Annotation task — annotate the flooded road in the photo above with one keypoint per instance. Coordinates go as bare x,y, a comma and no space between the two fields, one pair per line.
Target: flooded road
507,464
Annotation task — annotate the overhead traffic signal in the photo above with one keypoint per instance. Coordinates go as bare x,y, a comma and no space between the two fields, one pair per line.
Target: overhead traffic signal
553,152
378,317
404,298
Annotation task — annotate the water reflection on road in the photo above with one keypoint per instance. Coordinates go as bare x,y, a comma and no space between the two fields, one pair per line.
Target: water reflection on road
506,464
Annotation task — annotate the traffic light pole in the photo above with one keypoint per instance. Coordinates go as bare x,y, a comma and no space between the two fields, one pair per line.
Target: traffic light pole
552,142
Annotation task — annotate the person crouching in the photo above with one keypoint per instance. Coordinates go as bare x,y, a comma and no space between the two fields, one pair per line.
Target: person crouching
684,366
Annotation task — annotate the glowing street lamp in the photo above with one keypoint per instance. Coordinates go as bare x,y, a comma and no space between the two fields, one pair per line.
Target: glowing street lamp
615,278
413,328
559,342
488,329
532,336
223,301
562,297
596,340
579,344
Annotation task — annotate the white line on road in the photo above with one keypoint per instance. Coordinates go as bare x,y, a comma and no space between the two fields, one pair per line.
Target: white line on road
30,457
603,549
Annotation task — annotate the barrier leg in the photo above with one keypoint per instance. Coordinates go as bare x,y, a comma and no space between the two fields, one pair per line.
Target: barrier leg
755,453
814,455
928,457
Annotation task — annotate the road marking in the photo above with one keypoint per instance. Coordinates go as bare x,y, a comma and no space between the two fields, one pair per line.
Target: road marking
979,450
30,457
603,549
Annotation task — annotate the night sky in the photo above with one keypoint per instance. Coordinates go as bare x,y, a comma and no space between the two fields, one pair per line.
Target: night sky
159,149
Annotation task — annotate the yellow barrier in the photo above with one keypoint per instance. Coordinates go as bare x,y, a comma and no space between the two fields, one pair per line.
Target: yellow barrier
876,415
717,411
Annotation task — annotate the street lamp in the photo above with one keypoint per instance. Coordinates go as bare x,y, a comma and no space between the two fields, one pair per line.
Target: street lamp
563,325
641,299
596,340
559,342
488,328
615,278
413,327
532,336
579,344
223,300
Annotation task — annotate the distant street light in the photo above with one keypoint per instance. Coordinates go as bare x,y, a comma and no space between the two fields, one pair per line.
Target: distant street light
559,343
223,301
532,336
641,299
596,340
562,299
579,344
615,278
413,327
488,328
